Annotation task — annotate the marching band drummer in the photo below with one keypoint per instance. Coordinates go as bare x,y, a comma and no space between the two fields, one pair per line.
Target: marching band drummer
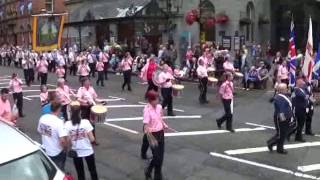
165,79
203,82
227,65
42,67
226,92
63,92
5,108
125,65
15,85
60,71
87,97
83,69
44,95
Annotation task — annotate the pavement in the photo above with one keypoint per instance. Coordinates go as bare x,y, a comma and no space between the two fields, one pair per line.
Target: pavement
197,150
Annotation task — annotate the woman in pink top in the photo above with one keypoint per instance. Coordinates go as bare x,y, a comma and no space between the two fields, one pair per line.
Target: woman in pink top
154,129
64,92
15,85
44,95
83,70
42,67
60,71
125,65
101,73
226,92
283,73
5,108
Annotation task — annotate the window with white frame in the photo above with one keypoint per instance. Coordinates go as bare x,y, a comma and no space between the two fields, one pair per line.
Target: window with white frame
49,5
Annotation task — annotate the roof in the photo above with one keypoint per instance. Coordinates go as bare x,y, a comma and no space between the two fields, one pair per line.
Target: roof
14,144
106,9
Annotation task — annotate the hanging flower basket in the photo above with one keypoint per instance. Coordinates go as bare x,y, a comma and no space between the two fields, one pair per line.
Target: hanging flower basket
210,22
192,16
222,19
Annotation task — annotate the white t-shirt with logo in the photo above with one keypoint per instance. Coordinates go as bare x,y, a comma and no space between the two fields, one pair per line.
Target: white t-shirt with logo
51,129
80,140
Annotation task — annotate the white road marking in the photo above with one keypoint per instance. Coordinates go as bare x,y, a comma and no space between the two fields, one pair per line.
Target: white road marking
124,106
31,90
33,96
197,133
258,125
51,85
24,97
308,168
4,83
121,128
5,79
265,149
142,83
111,100
114,97
178,110
141,118
265,166
24,86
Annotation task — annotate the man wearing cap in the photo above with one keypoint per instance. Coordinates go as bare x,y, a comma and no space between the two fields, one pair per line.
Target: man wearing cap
283,116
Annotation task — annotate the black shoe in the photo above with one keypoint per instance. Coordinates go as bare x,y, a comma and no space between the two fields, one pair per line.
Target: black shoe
206,102
171,114
282,152
270,148
22,115
147,175
95,143
300,140
102,85
231,130
218,123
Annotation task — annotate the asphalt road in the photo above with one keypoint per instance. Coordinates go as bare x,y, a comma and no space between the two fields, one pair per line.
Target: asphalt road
198,151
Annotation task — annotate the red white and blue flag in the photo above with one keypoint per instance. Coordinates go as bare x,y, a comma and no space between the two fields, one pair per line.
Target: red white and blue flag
308,63
293,56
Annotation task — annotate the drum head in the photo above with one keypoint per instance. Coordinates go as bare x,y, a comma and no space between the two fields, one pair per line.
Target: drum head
99,109
212,79
178,87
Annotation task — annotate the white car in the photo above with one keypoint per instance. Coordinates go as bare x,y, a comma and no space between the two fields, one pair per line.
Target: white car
22,158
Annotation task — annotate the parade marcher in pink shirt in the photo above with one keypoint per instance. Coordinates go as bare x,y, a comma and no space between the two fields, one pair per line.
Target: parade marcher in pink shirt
44,95
15,85
154,129
87,96
226,92
83,70
228,66
5,108
64,92
165,79
203,82
42,67
104,56
101,73
60,71
125,65
283,73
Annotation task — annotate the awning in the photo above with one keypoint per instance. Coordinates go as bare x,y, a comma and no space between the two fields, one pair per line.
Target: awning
102,9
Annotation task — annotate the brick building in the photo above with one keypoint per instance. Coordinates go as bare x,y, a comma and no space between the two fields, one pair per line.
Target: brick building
16,18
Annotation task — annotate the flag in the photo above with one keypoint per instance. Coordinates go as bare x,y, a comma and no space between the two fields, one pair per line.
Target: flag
308,63
316,68
293,56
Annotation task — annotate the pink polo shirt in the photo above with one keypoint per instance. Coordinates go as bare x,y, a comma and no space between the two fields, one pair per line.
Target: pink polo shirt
104,57
152,118
100,66
163,78
16,85
204,60
44,97
283,72
126,64
60,72
83,70
64,94
228,66
226,90
87,95
42,66
202,71
5,110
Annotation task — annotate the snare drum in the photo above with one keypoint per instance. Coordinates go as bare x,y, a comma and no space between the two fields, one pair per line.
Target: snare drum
238,74
212,79
176,89
99,113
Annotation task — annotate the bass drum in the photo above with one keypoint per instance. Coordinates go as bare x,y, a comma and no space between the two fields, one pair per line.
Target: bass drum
155,77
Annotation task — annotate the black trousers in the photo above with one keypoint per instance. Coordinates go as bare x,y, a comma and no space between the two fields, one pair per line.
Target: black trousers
18,98
1,60
126,79
60,160
92,69
157,156
167,99
78,163
52,66
81,78
309,121
144,146
151,86
44,78
301,119
73,69
64,110
278,139
26,76
203,86
227,114
100,78
106,66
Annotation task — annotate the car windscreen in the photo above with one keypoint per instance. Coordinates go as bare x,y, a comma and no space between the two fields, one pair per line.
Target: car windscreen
30,167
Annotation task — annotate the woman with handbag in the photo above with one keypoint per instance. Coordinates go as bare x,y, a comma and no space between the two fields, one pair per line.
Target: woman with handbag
154,129
81,136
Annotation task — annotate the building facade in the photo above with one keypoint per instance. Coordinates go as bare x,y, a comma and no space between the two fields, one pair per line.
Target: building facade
16,19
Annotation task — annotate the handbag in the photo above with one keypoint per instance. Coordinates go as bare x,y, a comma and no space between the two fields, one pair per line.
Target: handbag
73,153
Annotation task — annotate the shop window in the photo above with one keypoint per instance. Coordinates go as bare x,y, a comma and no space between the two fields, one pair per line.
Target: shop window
49,5
250,27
